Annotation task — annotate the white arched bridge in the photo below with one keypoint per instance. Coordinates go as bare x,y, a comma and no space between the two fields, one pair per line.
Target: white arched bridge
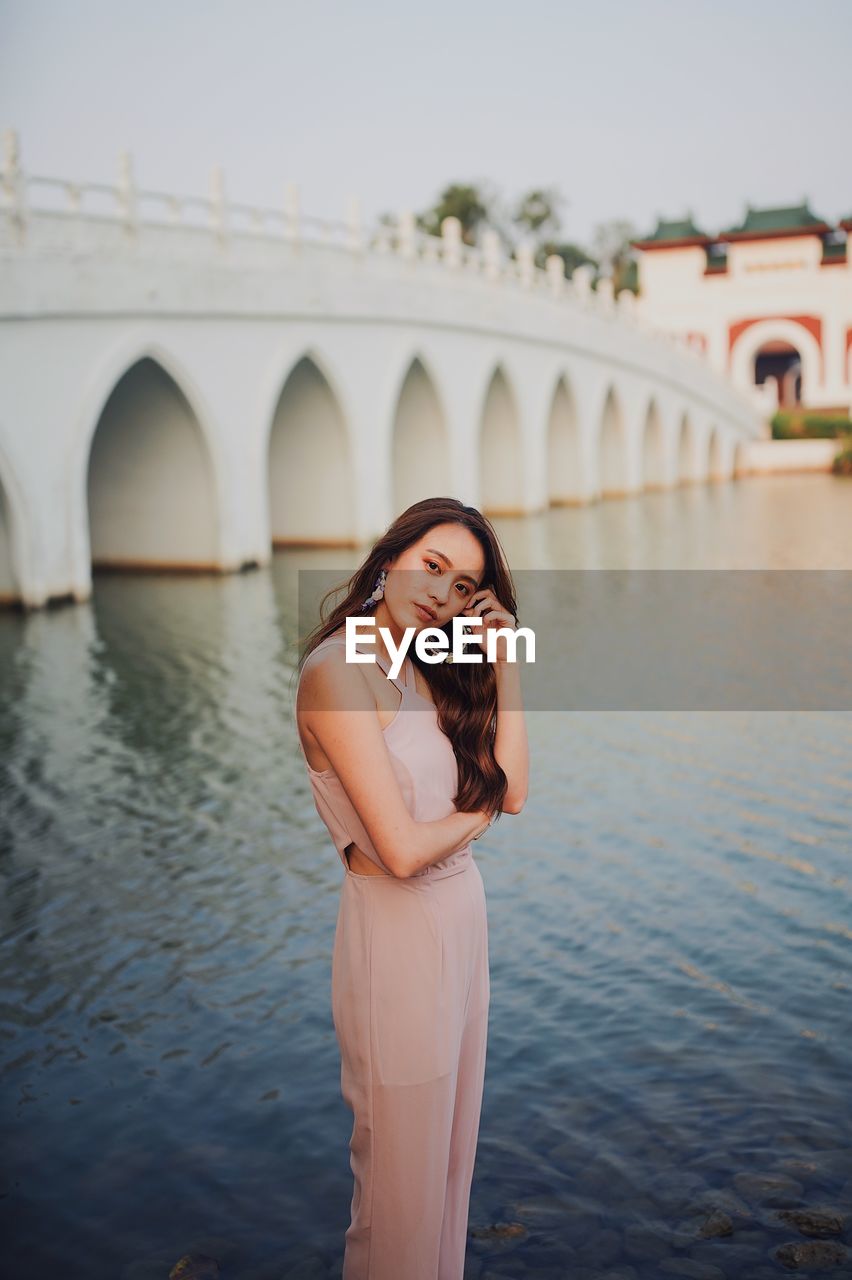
188,383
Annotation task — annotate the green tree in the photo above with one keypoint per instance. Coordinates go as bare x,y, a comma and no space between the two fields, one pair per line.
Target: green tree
538,212
573,255
469,203
534,216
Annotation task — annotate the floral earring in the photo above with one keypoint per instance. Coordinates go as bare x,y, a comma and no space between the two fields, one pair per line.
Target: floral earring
378,592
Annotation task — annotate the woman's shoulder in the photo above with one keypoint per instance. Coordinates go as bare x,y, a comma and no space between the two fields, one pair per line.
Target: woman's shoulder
328,655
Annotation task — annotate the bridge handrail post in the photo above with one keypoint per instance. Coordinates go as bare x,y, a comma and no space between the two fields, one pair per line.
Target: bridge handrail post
218,207
354,227
127,198
555,268
14,184
492,256
451,241
581,282
407,233
626,303
526,264
605,294
292,213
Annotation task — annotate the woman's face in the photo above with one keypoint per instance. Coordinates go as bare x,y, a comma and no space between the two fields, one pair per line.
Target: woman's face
441,571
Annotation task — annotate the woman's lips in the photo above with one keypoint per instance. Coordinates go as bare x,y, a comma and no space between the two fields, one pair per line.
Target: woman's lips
424,613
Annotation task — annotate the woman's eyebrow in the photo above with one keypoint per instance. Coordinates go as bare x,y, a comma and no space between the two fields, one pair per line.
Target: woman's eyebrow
448,562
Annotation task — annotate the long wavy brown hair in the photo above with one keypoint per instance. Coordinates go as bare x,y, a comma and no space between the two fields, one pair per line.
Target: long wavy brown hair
465,694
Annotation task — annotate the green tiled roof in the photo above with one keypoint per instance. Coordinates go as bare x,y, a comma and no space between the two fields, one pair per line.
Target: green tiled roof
676,229
794,219
780,218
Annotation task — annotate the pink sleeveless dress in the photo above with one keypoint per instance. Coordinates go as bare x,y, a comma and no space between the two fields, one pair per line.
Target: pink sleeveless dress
423,760
410,994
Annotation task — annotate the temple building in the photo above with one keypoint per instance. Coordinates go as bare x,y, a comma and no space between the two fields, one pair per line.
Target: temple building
768,301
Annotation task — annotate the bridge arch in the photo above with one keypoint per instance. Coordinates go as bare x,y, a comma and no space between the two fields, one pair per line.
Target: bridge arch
15,529
653,451
612,447
564,450
420,443
685,450
9,590
501,454
146,467
715,457
310,460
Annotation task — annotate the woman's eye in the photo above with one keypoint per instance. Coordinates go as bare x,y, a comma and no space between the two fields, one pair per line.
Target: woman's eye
434,563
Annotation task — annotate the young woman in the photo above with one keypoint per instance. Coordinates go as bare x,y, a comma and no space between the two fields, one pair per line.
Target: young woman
403,790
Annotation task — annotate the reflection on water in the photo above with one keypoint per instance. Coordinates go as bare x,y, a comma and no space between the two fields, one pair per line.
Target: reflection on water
670,940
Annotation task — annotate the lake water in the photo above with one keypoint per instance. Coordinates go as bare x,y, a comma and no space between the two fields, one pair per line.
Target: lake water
670,925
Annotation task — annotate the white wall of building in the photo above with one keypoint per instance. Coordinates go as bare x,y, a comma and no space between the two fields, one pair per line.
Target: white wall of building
781,285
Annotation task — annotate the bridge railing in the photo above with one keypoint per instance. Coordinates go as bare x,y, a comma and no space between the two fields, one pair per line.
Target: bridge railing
24,196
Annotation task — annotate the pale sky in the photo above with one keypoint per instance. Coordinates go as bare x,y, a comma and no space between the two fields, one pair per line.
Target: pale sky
629,109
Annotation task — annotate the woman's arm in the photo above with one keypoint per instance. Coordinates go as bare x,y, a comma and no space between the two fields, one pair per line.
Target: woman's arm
339,708
511,747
